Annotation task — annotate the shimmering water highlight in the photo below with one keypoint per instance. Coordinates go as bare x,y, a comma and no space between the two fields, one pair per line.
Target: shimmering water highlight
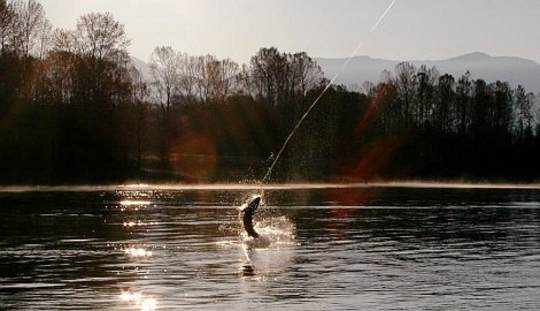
368,248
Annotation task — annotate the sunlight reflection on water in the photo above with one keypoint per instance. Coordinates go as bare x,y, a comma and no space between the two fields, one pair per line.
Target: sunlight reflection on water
139,301
406,249
134,202
138,252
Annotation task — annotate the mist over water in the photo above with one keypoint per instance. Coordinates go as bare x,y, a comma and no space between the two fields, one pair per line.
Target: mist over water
262,187
381,247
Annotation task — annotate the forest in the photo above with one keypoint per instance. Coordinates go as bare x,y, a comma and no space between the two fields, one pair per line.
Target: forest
75,109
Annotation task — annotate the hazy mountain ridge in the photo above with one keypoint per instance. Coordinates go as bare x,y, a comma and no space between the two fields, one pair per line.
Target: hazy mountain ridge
515,70
142,67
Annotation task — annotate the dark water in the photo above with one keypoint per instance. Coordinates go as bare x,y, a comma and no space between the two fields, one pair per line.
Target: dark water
335,249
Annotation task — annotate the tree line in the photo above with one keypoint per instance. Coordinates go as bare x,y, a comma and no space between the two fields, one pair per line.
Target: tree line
74,108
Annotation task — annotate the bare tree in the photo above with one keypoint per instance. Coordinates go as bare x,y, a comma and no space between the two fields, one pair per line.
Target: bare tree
7,24
463,103
165,67
425,89
228,79
280,77
187,66
267,68
44,39
304,73
215,80
443,112
101,37
523,106
204,71
64,40
30,24
92,60
406,84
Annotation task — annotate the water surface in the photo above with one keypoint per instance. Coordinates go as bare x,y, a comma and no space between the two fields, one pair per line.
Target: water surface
372,248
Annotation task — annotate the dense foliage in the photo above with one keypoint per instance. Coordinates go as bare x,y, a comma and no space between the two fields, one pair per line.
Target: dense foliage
73,108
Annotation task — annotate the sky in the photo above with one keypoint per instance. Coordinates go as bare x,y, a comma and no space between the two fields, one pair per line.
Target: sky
412,30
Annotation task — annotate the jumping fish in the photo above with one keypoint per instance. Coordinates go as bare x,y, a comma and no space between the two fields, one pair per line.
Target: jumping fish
247,213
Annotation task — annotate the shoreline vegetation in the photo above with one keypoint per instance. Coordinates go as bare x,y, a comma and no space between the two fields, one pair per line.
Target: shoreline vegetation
74,109
266,187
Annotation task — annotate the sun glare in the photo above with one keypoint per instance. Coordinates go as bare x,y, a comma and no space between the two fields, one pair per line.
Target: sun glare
134,203
139,301
138,252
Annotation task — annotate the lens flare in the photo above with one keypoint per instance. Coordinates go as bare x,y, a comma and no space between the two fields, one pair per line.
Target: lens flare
194,156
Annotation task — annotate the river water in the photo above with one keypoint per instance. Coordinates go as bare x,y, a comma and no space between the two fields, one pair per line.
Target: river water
357,248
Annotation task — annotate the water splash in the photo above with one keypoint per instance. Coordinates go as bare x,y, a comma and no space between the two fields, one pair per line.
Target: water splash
272,252
273,232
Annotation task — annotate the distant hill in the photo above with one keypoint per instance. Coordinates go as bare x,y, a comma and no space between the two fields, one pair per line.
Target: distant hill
364,68
143,68
490,68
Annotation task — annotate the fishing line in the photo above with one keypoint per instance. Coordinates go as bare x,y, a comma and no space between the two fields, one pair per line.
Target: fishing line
383,16
328,85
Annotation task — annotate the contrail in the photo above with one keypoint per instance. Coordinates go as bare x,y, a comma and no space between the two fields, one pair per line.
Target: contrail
308,111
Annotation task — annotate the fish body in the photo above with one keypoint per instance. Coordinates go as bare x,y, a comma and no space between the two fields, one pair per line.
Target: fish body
247,214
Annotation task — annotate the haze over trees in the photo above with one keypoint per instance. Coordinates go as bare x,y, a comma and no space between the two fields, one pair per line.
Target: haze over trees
73,108
515,70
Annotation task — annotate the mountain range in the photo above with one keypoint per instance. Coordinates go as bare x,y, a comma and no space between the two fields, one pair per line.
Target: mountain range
515,70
